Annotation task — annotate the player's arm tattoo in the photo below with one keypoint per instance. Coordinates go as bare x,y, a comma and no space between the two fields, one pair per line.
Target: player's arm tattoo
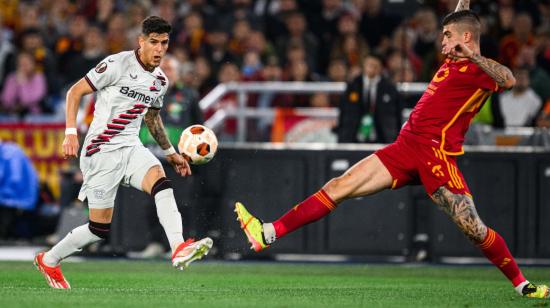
462,210
500,73
156,128
462,5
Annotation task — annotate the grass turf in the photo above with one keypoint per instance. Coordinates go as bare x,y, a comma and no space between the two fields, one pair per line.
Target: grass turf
210,284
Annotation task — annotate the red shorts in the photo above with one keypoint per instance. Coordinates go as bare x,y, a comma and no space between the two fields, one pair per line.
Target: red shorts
413,162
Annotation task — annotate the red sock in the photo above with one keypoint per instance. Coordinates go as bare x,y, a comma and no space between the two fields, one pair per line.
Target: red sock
313,208
495,249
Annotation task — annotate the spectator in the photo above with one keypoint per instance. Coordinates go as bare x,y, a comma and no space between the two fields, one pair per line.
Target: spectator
349,44
92,53
538,77
216,48
298,35
193,35
137,12
427,32
70,44
32,42
337,70
275,18
521,105
116,33
377,25
325,25
370,109
257,42
24,89
18,186
237,43
522,36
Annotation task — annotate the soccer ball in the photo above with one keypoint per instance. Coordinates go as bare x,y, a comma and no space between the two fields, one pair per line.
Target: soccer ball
198,144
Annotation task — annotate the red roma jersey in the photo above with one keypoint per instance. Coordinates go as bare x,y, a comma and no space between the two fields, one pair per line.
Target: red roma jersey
444,112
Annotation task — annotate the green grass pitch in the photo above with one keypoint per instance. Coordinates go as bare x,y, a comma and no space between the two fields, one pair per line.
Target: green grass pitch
237,284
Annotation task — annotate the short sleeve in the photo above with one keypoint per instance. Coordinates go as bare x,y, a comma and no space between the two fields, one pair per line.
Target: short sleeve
485,81
105,73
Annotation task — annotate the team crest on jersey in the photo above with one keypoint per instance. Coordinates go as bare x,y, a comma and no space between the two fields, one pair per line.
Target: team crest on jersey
101,67
157,85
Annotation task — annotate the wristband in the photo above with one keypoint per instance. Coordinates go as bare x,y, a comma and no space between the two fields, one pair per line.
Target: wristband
169,151
70,131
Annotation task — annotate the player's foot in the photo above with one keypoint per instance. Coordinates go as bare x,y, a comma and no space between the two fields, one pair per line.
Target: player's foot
190,251
54,276
252,227
535,291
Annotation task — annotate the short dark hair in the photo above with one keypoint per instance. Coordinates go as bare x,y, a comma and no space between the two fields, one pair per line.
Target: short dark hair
155,24
466,18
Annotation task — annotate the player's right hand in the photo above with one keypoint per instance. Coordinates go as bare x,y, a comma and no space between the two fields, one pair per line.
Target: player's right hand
70,146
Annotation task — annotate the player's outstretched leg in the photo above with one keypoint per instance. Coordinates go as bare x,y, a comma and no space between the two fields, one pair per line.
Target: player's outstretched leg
462,210
183,252
364,178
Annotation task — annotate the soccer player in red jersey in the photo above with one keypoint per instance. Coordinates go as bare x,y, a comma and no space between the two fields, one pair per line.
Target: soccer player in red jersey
424,151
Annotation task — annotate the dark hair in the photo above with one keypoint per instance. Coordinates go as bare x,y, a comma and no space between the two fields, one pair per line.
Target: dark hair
466,18
155,24
377,56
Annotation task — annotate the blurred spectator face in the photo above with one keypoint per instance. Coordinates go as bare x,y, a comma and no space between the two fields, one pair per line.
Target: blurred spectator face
320,100
105,6
373,7
295,53
78,26
25,64
526,57
217,38
171,67
331,5
296,24
29,15
337,70
202,69
299,71
193,21
93,40
32,41
522,79
523,25
506,16
229,72
404,74
167,10
137,13
372,67
241,29
347,24
403,39
427,21
272,72
181,54
117,24
256,41
287,5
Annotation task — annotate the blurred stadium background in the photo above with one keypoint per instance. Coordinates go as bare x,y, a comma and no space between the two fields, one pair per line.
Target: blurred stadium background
270,77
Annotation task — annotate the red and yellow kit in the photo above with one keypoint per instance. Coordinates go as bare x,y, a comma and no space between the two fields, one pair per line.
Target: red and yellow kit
428,143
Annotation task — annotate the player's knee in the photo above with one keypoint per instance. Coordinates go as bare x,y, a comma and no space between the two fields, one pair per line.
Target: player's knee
99,229
160,185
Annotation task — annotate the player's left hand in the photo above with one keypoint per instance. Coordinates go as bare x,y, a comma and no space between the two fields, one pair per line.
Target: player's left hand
180,165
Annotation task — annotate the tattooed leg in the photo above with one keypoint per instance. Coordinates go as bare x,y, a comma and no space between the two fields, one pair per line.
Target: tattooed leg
462,211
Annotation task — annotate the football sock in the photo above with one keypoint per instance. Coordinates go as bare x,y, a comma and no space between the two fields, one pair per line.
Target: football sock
495,249
269,233
71,243
313,208
169,216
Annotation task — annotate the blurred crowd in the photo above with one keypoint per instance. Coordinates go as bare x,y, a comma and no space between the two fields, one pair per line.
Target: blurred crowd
47,45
